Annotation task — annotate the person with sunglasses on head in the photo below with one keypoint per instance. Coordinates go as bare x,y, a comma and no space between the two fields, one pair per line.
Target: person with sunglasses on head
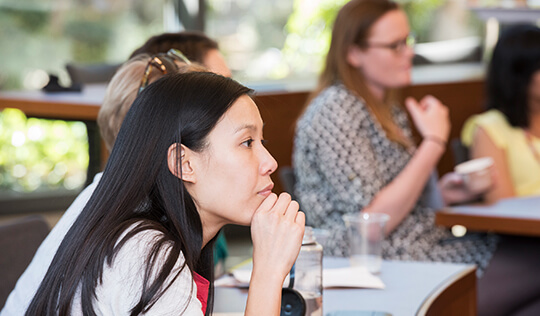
354,152
189,158
119,97
196,46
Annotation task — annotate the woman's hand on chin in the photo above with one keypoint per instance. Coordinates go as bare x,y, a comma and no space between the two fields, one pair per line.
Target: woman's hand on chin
277,228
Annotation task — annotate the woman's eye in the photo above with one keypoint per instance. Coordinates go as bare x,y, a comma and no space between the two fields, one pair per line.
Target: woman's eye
264,142
248,142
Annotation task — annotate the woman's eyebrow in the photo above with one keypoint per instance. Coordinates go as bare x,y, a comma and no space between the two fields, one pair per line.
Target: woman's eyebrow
245,126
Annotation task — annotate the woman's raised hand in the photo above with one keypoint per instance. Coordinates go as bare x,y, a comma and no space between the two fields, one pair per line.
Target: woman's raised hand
430,117
277,228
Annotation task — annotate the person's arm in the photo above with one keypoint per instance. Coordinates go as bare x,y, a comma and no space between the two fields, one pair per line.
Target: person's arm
336,144
483,146
401,194
277,229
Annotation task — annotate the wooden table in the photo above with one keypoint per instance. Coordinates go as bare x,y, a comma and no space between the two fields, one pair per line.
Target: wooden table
412,288
64,105
459,86
78,106
514,216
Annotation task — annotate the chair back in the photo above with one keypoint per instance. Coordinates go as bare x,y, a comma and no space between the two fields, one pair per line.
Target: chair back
459,151
95,73
19,240
288,179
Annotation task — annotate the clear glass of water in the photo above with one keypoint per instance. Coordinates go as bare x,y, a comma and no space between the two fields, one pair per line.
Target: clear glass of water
366,234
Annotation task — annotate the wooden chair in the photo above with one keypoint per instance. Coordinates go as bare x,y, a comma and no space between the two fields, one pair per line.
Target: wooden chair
19,240
288,179
94,73
459,151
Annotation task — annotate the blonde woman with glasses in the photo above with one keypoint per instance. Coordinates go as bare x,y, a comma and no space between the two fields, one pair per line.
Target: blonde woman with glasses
354,150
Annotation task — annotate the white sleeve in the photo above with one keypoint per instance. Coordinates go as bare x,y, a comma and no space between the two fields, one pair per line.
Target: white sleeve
122,282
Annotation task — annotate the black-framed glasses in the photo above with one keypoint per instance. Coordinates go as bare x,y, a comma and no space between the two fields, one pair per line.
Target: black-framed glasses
166,63
397,47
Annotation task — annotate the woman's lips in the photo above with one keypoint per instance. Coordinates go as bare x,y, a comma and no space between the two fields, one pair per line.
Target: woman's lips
267,190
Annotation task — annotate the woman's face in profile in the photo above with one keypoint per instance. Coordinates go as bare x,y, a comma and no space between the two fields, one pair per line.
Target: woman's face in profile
233,171
387,60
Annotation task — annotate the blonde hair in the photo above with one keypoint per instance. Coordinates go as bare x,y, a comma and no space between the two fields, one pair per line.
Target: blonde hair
352,27
122,91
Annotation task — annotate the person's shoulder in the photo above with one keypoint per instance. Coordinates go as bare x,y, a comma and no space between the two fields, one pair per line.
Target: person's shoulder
143,239
332,100
337,92
491,117
145,248
143,255
493,122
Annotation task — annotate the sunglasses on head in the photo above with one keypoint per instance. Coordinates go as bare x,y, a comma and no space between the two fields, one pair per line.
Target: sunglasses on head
164,62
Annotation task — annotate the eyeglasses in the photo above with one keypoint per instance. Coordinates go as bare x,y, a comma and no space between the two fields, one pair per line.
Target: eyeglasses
166,63
397,47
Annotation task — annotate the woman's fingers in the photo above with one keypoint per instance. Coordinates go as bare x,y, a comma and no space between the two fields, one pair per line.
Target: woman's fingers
430,116
277,230
268,203
292,210
300,219
282,203
413,107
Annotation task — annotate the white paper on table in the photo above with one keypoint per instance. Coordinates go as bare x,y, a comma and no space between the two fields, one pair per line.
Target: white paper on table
351,277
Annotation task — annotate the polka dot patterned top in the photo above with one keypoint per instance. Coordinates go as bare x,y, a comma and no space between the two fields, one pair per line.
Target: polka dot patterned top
342,159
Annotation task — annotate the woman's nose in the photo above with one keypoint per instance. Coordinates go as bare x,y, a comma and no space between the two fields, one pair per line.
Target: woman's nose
268,163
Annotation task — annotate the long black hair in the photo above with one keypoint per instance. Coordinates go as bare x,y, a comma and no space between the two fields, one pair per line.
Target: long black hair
137,188
515,59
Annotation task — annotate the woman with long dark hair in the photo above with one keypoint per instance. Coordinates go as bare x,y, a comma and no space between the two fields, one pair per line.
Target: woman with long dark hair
509,131
189,159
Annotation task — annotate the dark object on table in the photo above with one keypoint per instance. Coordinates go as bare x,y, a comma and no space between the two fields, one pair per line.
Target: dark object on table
91,73
54,86
292,303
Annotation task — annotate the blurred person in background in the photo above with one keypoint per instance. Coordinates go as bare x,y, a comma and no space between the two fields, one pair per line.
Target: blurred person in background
196,46
354,152
509,131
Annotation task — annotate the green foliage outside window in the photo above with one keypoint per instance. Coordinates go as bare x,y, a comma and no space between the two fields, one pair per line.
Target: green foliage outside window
309,30
39,37
38,154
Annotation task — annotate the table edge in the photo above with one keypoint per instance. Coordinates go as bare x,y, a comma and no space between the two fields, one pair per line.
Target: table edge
434,295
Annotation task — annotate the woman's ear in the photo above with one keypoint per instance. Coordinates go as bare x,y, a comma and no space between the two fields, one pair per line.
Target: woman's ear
188,173
355,56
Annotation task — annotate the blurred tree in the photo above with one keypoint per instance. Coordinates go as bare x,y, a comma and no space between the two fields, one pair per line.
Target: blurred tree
310,26
37,154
